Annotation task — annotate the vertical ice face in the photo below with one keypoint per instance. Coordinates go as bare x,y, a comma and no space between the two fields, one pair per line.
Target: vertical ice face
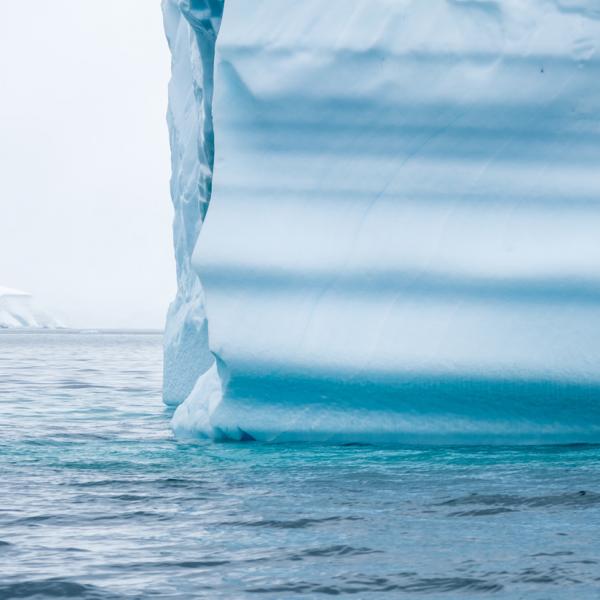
402,241
191,27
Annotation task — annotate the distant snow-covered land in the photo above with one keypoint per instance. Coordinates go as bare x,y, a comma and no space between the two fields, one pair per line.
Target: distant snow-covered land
17,309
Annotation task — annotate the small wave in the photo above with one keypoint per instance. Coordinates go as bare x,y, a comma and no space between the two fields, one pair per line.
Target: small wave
573,446
367,584
329,551
35,519
583,561
54,588
552,576
99,483
159,565
452,584
179,482
130,497
292,524
579,499
356,445
74,384
483,512
130,516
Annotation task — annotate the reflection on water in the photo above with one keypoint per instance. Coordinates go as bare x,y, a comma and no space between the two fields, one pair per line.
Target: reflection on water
98,500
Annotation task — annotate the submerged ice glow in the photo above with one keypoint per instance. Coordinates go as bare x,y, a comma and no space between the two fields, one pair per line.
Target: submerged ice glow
401,243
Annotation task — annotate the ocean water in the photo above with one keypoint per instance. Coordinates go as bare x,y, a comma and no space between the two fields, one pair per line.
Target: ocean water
98,500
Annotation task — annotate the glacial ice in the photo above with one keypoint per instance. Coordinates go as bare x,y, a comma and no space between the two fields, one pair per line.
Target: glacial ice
191,29
17,310
402,241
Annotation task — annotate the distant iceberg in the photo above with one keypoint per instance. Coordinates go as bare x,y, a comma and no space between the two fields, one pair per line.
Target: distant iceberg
400,212
18,310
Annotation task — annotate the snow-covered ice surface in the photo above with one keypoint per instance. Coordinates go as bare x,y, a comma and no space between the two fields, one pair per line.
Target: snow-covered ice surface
18,310
402,240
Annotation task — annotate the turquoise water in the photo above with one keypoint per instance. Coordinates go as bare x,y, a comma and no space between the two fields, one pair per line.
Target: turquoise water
98,500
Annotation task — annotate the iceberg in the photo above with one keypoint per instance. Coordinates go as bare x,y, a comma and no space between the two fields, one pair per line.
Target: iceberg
386,220
191,30
17,310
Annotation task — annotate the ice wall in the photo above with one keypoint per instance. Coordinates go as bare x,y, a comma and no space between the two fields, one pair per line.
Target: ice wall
402,241
191,27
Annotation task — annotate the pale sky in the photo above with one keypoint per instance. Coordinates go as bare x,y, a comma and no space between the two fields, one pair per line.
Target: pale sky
85,214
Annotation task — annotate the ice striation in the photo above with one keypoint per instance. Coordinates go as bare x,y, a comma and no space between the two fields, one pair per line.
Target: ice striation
18,310
402,238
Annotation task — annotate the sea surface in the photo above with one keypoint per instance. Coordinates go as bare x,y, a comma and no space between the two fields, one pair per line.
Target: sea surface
98,500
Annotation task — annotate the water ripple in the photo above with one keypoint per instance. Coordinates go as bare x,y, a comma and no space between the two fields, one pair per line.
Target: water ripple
54,588
98,500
